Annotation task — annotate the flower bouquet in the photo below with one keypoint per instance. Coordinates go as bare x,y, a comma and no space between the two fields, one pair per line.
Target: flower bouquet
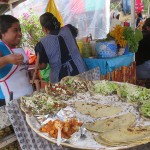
126,37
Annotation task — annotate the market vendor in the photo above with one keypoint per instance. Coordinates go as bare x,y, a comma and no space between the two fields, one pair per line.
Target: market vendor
59,49
13,73
142,56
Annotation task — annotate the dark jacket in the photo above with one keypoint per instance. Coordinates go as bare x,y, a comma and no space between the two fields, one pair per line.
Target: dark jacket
143,53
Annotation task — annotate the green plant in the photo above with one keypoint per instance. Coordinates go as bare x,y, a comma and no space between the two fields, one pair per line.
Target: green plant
31,29
132,37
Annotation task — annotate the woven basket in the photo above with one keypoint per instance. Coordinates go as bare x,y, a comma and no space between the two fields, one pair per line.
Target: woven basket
6,131
13,146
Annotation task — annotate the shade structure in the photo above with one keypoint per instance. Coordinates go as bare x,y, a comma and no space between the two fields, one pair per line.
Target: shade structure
5,5
4,1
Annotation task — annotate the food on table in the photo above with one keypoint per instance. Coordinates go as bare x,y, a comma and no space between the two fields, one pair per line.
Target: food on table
133,94
145,109
96,110
109,124
40,104
59,91
125,136
75,83
67,127
103,87
127,92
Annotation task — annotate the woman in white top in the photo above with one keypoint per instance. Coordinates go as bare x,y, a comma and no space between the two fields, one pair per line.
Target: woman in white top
13,74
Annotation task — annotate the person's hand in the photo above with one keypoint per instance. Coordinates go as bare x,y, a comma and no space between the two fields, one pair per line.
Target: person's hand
16,59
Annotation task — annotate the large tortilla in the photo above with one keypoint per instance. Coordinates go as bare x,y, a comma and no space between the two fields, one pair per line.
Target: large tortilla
97,110
111,123
125,136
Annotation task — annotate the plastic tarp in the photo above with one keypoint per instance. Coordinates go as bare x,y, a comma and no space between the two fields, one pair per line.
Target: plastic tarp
89,16
38,6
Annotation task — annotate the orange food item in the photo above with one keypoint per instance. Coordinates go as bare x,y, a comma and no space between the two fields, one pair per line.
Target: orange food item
67,127
32,59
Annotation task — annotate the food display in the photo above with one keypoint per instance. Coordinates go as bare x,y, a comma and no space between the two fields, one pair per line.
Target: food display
96,110
109,124
67,127
125,136
40,104
59,91
76,84
111,114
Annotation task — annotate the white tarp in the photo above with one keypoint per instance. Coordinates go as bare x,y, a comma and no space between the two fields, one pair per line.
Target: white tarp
89,16
39,7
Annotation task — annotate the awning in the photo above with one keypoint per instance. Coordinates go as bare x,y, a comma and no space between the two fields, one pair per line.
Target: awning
5,5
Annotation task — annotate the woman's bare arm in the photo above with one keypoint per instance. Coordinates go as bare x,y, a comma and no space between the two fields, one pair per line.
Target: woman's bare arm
42,66
16,59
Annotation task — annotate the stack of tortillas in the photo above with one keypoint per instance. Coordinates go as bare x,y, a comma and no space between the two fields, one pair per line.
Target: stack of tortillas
109,124
113,131
120,131
131,136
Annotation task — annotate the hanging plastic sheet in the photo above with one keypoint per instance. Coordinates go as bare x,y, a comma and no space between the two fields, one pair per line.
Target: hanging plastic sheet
126,6
89,16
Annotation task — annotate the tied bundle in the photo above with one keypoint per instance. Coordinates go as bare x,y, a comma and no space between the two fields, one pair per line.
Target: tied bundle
117,34
126,36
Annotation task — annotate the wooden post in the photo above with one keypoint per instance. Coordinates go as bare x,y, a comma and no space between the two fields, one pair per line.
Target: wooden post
133,14
10,2
11,9
148,15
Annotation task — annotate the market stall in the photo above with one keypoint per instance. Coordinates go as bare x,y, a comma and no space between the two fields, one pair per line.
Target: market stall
107,115
90,104
109,64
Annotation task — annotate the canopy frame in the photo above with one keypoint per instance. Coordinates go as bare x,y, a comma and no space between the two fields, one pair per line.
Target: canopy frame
9,5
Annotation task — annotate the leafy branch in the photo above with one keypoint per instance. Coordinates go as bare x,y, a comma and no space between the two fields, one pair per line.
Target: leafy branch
132,37
31,29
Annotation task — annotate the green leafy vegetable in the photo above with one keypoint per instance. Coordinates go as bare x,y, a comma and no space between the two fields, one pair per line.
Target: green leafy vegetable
132,37
145,109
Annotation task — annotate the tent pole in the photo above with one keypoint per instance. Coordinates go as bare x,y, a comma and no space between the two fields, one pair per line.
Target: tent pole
133,17
11,9
133,14
148,14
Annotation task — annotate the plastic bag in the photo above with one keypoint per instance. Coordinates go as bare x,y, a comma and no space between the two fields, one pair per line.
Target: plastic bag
45,73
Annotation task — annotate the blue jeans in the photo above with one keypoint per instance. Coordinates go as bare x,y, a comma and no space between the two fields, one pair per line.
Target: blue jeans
126,6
